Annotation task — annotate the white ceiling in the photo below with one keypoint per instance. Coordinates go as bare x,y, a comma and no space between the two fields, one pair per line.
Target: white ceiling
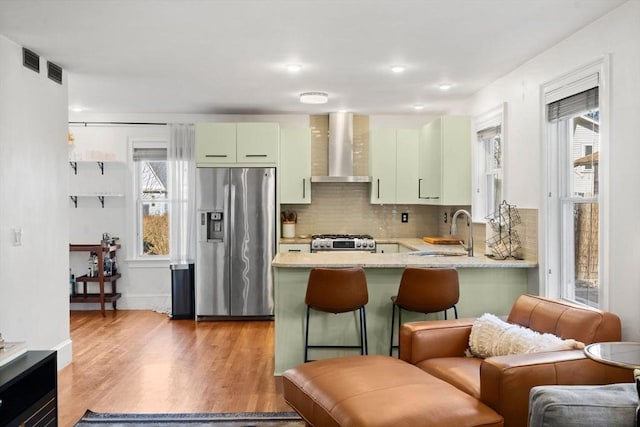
229,56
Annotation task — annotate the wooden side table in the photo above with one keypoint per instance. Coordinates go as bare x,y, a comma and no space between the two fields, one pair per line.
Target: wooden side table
101,297
621,354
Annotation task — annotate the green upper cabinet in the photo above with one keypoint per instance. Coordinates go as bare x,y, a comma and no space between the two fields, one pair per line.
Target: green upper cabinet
257,142
393,166
294,171
444,172
407,166
216,143
382,165
228,144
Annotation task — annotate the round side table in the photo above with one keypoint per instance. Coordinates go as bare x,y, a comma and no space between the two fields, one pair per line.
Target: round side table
621,354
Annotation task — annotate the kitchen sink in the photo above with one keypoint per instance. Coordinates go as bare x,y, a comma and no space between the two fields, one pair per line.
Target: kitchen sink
437,253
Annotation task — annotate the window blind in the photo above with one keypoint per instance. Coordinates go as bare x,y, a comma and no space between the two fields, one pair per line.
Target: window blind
149,154
572,105
489,132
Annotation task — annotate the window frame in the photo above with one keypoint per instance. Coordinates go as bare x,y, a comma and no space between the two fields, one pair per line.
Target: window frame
136,253
491,118
553,269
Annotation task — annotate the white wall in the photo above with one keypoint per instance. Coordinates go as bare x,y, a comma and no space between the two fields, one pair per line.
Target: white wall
143,285
34,284
618,35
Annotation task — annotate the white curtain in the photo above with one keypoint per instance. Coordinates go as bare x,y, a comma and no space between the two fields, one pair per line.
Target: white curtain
182,172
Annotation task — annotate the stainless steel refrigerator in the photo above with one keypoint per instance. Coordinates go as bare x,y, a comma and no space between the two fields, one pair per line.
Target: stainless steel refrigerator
236,242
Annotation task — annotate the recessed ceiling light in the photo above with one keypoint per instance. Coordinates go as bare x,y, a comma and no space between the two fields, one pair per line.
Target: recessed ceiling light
398,68
314,97
294,68
76,108
418,106
343,111
444,86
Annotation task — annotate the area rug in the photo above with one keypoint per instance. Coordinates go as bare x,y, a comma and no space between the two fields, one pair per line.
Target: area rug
237,419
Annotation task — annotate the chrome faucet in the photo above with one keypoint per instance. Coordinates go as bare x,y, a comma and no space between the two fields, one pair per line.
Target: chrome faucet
454,230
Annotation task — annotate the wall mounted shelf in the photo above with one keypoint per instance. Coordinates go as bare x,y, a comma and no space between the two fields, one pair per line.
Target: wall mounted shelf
74,165
100,196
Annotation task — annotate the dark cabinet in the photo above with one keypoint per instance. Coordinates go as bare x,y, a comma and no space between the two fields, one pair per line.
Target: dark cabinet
29,390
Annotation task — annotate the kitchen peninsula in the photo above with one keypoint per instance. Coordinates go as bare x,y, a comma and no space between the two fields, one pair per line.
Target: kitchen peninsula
486,285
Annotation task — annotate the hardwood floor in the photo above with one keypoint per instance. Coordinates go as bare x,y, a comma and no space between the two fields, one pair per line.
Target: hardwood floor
141,361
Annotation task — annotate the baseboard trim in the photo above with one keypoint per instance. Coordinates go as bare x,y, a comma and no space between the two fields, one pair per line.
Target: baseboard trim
155,302
65,353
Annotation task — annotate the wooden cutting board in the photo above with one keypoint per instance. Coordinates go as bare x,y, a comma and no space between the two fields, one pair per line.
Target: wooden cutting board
445,240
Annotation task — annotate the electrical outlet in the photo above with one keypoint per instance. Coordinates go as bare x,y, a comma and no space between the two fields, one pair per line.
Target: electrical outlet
405,217
445,217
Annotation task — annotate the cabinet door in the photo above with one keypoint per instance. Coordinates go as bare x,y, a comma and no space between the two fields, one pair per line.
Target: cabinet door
295,165
382,165
456,158
430,154
258,142
215,143
295,247
407,166
386,248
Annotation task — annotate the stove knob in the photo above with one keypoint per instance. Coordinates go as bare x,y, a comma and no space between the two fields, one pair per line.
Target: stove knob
371,244
358,244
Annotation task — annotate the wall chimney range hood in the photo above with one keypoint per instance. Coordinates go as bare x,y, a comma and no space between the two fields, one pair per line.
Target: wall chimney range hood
341,151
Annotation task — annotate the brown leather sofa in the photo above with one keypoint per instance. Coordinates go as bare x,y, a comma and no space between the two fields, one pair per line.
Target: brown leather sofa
435,384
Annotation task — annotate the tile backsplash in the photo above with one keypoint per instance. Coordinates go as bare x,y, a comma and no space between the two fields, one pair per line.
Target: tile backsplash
345,208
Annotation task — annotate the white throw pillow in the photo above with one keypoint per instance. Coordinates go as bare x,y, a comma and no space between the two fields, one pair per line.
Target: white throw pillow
491,336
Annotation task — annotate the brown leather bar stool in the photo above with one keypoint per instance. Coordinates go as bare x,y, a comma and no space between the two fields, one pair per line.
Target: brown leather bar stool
425,290
337,290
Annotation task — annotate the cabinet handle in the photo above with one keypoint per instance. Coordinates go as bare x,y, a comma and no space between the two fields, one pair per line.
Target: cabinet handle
419,191
294,250
215,155
256,155
304,188
378,187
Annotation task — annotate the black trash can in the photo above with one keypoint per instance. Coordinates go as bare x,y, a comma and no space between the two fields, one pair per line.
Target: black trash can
182,291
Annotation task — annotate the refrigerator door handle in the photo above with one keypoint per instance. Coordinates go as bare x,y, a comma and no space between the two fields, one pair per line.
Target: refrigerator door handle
231,220
227,216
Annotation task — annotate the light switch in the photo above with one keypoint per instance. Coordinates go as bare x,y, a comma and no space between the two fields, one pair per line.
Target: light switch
17,236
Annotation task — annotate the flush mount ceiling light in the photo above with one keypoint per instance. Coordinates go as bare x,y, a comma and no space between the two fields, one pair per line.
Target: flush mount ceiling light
314,97
444,86
398,68
294,68
418,107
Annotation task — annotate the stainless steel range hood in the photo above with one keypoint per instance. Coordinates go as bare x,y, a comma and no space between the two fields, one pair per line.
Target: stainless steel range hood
341,151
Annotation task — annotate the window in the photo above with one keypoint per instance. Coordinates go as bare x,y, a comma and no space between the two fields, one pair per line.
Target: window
574,232
488,177
490,141
152,201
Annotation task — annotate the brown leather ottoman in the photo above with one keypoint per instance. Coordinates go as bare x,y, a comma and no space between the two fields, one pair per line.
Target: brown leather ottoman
376,391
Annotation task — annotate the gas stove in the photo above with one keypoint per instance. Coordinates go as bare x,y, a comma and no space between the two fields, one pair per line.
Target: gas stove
342,242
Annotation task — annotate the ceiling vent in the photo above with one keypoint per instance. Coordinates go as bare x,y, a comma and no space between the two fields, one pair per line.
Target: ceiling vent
54,72
30,60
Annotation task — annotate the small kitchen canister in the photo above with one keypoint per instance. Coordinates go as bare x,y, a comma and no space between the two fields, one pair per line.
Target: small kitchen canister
288,230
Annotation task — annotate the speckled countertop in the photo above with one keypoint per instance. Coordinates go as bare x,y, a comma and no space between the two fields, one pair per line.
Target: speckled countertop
395,260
